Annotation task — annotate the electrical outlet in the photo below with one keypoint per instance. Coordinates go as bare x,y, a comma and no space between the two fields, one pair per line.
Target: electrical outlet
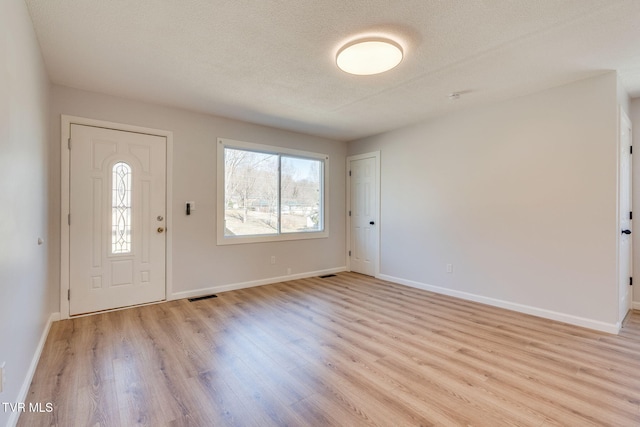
273,259
2,376
449,268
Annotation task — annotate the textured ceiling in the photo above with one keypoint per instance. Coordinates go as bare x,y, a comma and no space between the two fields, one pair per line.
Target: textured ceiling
272,62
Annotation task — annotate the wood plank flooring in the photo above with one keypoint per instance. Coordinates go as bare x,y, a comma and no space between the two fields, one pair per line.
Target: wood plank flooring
342,351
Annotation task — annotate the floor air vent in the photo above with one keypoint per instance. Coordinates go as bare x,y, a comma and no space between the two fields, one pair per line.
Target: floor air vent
201,298
327,276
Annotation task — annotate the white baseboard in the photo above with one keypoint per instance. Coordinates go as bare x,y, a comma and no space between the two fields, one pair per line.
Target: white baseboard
636,305
234,286
612,328
22,395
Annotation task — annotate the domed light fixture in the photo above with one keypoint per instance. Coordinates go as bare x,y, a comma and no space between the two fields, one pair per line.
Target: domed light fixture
368,56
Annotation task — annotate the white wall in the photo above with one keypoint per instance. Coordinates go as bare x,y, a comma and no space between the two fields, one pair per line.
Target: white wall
198,263
623,98
519,197
635,122
25,300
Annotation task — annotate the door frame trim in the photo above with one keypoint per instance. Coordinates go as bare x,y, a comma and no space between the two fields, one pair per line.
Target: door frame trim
376,155
65,176
623,119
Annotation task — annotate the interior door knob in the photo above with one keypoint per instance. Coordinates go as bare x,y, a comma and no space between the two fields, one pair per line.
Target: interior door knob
160,229
626,231
372,223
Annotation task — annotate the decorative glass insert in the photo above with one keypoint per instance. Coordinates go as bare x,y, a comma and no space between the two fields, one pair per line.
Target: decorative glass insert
121,209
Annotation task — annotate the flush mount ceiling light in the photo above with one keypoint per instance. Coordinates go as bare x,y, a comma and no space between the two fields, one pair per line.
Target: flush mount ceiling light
369,56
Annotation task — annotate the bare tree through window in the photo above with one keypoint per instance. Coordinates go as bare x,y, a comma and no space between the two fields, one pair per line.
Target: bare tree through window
269,193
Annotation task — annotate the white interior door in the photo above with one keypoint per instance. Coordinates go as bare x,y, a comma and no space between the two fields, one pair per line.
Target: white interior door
625,242
117,200
364,212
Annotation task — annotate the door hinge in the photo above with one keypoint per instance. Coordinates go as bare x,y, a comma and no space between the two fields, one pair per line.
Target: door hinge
631,149
349,173
349,253
68,294
349,213
69,219
630,281
630,215
69,143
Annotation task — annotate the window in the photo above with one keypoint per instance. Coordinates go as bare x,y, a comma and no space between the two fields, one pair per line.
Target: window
269,193
121,209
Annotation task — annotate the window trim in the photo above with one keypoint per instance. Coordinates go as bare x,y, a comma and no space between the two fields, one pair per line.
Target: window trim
223,143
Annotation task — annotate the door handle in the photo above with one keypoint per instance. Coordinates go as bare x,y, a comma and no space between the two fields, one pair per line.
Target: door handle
160,229
626,231
372,223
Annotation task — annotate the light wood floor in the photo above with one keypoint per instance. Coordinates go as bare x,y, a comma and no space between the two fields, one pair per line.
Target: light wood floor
343,351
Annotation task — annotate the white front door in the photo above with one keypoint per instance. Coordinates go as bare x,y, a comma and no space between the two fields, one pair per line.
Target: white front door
625,249
117,199
363,213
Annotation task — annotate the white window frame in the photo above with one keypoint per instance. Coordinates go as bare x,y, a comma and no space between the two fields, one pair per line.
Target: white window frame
233,240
